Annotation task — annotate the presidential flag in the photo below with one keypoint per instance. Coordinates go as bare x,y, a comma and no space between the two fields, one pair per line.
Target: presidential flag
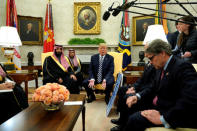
11,20
124,40
48,30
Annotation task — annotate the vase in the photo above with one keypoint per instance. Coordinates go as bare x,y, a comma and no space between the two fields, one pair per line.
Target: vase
53,106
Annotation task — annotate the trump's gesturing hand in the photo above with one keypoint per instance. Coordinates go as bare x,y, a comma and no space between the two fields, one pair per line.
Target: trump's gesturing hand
104,84
91,84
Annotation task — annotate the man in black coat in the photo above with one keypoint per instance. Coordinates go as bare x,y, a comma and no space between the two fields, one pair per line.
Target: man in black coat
175,90
75,66
56,70
13,98
100,72
138,97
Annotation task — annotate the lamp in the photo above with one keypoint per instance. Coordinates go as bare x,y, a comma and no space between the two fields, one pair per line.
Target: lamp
154,32
9,38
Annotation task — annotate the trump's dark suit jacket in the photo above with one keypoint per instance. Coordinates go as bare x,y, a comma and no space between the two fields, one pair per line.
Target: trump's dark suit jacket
177,94
107,68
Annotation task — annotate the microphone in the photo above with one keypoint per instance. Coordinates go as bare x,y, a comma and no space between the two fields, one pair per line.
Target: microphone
123,7
107,13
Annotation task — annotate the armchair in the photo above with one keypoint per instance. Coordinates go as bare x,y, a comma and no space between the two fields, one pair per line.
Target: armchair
44,55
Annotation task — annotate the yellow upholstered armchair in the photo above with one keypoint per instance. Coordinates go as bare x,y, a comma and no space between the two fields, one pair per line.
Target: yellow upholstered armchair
44,55
118,57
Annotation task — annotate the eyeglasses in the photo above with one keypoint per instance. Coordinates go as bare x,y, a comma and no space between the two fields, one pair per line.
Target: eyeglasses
151,58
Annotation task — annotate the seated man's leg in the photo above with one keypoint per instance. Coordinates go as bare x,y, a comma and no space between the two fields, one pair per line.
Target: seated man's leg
9,106
121,98
108,90
125,111
71,85
79,78
121,105
89,91
137,122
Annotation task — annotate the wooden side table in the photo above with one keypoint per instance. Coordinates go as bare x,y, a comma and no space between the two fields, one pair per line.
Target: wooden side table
132,76
20,76
34,67
135,68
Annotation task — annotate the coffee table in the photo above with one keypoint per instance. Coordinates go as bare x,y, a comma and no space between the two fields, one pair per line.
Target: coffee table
35,118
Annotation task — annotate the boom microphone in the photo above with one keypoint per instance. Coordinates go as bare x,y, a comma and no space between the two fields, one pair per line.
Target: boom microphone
123,7
107,14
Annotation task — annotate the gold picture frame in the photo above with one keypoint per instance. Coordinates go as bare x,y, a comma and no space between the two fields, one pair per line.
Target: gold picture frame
87,18
139,28
30,30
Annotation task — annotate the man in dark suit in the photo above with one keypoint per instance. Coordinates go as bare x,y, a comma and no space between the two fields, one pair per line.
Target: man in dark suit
13,98
175,92
100,72
56,70
173,37
138,96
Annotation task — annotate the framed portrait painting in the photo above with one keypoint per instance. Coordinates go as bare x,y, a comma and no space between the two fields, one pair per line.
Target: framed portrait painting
30,30
87,17
139,28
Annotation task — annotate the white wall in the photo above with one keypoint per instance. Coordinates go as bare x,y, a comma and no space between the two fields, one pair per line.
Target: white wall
63,23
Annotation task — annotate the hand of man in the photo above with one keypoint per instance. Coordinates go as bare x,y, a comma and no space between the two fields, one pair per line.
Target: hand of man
153,116
91,84
104,84
9,85
3,86
187,54
131,91
131,100
60,80
73,77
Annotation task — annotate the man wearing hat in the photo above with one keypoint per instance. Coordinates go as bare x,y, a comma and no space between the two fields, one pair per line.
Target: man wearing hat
55,70
75,66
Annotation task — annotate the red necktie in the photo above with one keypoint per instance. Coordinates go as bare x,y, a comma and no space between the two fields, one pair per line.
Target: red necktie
156,98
